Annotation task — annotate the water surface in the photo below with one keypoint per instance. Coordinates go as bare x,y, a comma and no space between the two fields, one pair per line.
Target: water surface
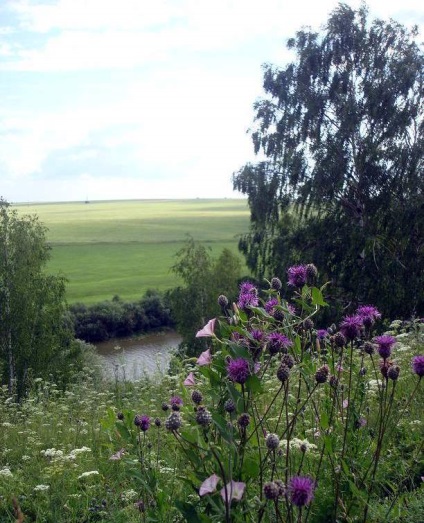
132,358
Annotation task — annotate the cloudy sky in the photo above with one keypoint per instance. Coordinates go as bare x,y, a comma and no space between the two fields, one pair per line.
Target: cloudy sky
111,99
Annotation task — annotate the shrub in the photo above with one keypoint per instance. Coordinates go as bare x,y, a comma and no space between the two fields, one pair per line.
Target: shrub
116,318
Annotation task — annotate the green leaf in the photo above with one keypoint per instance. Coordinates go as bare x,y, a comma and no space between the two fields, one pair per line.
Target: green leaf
221,424
238,351
188,511
324,420
190,436
297,344
123,431
317,297
254,384
328,443
250,468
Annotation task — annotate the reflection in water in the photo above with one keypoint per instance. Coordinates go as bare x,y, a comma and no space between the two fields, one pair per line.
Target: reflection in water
133,358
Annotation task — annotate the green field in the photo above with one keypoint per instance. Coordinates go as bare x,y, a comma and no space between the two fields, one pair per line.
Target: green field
127,247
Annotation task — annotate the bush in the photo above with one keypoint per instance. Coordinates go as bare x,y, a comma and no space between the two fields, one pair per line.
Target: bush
116,318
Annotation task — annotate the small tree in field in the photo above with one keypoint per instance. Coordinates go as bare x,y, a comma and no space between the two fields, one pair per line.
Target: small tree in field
204,279
342,130
32,329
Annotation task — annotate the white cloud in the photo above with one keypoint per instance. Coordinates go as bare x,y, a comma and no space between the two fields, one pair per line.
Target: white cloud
161,91
93,14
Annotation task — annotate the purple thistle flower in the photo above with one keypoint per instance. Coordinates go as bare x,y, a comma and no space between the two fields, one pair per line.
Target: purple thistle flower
247,300
270,304
278,342
143,422
369,314
297,275
257,334
301,490
176,403
385,344
418,365
351,326
291,309
248,287
322,334
238,370
248,296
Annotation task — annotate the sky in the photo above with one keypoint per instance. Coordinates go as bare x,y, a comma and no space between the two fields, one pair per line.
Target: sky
134,99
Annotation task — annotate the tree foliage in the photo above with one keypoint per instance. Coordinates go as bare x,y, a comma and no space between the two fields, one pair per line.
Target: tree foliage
118,318
34,336
342,131
204,278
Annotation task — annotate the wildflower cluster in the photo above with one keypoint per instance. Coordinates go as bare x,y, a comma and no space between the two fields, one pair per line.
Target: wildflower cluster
278,412
277,404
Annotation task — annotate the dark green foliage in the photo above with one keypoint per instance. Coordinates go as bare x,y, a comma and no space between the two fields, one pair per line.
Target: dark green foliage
116,318
34,334
205,279
343,133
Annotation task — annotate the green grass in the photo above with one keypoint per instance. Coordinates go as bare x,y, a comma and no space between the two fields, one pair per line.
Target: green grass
127,247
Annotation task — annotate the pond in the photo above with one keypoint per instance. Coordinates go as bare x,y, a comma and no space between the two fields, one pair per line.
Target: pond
132,358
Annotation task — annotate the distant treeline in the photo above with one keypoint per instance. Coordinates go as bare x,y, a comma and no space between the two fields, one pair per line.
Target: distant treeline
117,318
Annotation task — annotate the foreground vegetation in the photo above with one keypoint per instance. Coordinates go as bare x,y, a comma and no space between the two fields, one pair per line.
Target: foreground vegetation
277,420
127,247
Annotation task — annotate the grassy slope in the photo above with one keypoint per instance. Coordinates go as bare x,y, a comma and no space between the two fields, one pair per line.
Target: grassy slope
126,247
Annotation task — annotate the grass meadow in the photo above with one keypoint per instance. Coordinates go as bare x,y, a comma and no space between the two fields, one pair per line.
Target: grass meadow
127,247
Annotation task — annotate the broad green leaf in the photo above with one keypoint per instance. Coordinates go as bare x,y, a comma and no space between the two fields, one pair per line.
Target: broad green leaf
317,297
254,384
250,468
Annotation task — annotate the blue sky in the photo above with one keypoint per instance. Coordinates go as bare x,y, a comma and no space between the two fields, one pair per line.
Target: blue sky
111,99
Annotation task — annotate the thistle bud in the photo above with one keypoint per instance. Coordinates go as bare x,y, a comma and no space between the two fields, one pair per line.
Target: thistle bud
276,284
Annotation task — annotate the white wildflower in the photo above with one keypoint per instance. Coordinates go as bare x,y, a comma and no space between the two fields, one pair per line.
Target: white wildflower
166,470
299,444
6,472
402,335
81,450
129,495
52,453
89,473
373,385
41,488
